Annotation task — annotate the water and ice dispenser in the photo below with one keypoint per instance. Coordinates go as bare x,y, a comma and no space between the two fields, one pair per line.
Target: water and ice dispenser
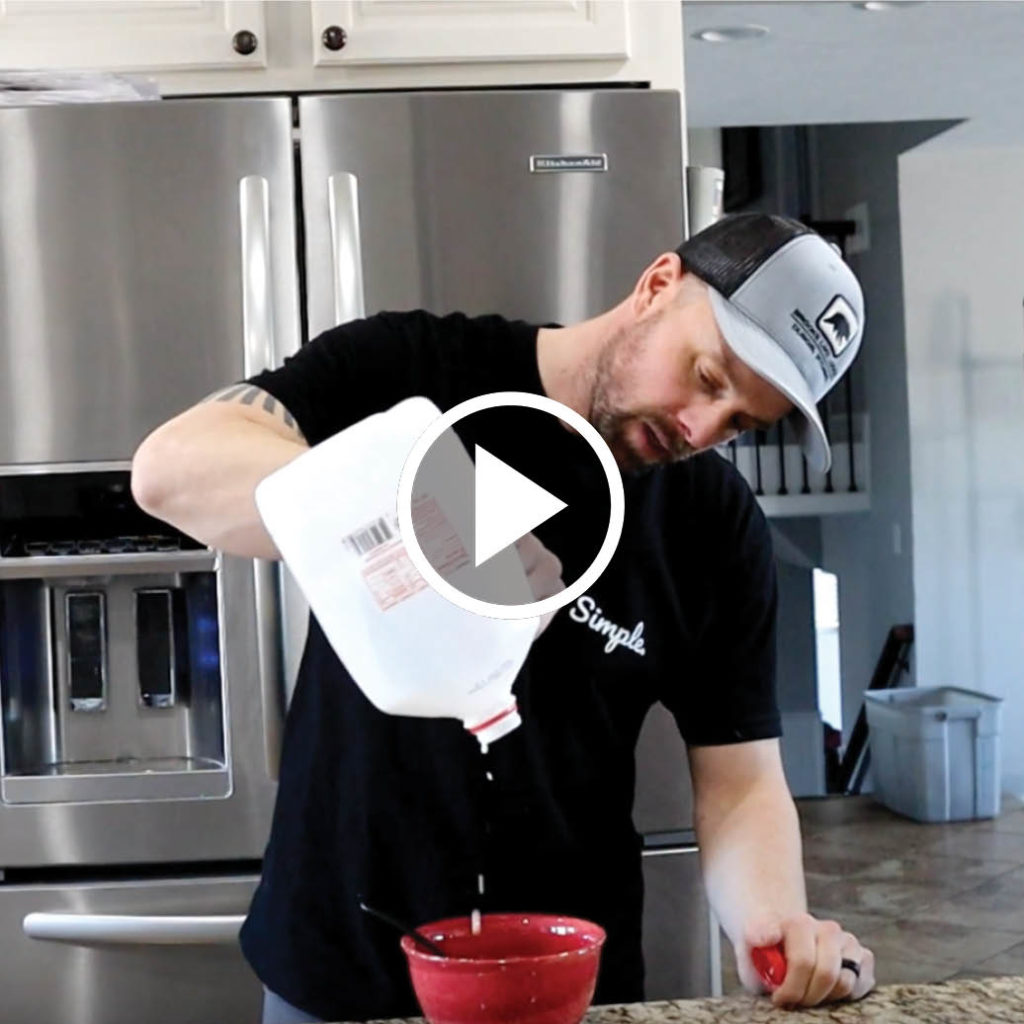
110,651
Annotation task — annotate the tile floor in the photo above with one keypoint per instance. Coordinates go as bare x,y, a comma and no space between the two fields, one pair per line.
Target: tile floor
933,901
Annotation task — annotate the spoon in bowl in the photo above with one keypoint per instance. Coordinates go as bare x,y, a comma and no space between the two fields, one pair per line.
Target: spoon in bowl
417,936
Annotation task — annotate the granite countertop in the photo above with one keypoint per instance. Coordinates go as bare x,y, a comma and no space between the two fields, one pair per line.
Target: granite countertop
988,1000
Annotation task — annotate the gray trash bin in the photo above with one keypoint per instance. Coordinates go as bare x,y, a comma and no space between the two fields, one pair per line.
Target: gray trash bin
935,751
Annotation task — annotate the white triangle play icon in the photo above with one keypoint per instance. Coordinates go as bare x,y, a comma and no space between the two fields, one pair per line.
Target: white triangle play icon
508,505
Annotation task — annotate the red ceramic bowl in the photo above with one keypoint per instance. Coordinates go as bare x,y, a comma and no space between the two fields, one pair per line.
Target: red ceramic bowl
520,969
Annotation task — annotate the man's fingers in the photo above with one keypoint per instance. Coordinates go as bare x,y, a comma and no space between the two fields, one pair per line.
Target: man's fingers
824,963
530,550
828,971
535,556
543,567
801,949
855,984
824,973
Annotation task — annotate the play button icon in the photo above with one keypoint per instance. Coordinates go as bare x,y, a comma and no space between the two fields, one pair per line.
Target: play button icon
508,505
493,469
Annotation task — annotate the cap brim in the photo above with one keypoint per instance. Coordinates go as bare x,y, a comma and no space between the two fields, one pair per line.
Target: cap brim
768,360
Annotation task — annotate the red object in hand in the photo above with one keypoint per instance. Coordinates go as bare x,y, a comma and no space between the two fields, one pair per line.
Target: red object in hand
770,963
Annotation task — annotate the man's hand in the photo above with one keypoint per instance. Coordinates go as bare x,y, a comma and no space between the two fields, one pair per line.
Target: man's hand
543,571
815,951
749,834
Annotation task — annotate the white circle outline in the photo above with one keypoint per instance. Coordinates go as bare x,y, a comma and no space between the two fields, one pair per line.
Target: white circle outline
617,502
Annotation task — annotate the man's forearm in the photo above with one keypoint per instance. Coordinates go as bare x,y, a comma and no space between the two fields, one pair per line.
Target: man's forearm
749,836
751,858
205,489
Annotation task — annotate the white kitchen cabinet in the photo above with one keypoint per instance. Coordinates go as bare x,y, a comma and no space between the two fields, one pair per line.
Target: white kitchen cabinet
197,46
129,35
351,32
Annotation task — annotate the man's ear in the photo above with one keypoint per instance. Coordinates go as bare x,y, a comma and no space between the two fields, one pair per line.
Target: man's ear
657,282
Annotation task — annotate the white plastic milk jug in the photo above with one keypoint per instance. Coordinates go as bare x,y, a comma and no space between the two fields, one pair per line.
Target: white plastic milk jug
332,513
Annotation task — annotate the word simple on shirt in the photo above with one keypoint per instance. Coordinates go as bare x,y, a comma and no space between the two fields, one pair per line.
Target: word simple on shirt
587,611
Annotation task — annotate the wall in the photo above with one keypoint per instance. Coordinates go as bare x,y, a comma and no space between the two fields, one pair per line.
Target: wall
797,545
704,147
872,553
962,208
786,176
802,753
824,170
797,542
795,661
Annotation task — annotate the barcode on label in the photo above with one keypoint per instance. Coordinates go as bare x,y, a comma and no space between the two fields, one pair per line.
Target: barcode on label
373,536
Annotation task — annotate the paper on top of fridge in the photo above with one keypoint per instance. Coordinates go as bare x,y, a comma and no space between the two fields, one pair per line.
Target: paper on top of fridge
46,88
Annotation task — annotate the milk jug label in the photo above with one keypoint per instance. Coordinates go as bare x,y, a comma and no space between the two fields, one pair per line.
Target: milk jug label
387,569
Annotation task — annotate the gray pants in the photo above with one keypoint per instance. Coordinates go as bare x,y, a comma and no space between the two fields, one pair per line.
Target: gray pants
277,1011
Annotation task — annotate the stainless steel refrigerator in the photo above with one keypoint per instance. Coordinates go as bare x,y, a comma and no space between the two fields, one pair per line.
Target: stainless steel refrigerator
151,253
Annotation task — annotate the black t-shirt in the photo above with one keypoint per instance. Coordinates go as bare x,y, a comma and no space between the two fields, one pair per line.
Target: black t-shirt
400,810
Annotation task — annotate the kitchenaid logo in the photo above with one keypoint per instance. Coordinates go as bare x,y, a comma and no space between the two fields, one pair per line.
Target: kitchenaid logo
582,162
838,323
587,612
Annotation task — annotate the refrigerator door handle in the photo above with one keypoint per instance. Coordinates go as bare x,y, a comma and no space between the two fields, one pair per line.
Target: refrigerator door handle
346,247
269,660
257,278
133,929
259,353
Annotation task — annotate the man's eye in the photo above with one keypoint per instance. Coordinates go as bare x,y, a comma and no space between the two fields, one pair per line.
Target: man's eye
707,383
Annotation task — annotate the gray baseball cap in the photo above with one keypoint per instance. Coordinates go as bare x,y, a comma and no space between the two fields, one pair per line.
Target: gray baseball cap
787,305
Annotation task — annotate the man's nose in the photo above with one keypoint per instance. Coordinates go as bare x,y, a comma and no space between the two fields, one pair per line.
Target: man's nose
705,427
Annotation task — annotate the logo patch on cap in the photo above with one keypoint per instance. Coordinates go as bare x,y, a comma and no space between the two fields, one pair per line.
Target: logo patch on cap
838,323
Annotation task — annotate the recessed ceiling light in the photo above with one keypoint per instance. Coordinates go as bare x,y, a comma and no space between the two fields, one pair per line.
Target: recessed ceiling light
731,33
886,5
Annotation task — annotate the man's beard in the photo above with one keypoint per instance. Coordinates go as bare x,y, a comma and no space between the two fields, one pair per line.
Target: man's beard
615,428
613,419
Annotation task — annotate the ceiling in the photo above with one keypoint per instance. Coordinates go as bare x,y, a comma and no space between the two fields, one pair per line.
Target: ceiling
832,61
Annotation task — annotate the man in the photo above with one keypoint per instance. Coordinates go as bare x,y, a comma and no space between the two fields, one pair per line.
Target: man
749,321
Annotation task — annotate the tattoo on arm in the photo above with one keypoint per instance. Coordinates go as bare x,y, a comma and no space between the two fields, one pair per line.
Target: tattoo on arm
248,394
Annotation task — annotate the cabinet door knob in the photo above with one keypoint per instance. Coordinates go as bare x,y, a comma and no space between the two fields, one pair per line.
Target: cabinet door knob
244,42
334,37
